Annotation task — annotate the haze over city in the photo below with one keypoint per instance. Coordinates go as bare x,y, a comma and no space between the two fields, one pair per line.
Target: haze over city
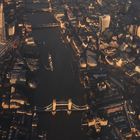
69,69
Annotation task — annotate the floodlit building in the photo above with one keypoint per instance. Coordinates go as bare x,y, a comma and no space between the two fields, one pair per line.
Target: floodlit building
11,30
138,31
134,30
104,22
100,2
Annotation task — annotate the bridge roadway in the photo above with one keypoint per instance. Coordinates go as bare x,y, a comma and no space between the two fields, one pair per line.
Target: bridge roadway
60,84
41,26
61,106
38,10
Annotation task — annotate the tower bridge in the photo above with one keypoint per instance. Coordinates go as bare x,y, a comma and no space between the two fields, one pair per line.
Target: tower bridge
62,106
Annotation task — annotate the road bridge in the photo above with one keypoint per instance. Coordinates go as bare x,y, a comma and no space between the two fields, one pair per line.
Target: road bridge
49,25
62,106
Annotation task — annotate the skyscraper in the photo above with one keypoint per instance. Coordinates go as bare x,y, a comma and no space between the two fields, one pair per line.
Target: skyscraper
2,24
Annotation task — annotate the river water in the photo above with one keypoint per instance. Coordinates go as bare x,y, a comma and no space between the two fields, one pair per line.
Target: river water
60,84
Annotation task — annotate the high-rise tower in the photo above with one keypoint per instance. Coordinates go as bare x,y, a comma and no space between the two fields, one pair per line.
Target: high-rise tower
2,24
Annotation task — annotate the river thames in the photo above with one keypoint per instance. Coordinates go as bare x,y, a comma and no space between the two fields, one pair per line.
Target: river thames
61,84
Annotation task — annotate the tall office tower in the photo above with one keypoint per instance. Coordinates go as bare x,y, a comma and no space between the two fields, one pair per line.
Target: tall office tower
134,30
104,22
2,24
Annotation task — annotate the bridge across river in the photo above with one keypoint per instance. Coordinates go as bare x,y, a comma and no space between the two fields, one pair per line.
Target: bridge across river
49,25
61,84
62,106
38,10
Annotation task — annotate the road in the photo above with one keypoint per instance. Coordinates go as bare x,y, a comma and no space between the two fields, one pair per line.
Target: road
60,84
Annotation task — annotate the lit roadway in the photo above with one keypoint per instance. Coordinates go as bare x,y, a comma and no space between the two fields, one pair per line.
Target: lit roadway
61,84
